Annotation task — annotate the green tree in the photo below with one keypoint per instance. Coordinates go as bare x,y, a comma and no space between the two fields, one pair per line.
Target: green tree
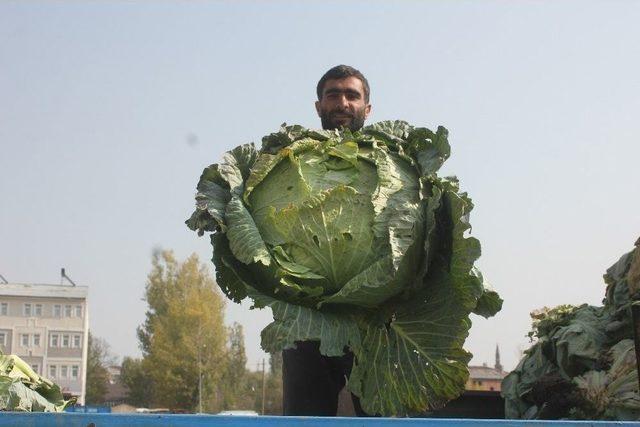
183,336
273,390
272,386
98,358
137,381
235,387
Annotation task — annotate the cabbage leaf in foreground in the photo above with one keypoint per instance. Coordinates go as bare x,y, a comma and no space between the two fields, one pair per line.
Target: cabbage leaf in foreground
353,240
21,389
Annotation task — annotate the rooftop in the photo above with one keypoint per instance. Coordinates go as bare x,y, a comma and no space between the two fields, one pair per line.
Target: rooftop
485,373
38,290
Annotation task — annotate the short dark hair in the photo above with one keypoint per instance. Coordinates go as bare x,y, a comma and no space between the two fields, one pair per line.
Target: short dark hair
342,72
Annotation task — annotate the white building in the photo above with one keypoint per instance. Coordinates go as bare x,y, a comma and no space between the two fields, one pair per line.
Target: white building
48,327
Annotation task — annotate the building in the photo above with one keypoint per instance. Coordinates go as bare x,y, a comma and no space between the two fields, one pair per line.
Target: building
48,327
116,391
486,378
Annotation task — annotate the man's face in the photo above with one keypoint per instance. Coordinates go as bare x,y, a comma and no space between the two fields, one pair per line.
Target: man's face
343,104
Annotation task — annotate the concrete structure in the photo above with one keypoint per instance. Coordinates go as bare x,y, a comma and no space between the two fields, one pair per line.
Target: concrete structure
123,408
48,327
486,378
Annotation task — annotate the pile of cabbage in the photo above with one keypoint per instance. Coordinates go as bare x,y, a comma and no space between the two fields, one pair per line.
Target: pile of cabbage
583,363
353,240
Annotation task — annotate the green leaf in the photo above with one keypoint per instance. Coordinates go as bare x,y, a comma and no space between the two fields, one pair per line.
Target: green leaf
21,389
284,187
417,362
244,238
578,345
227,269
392,132
211,199
261,168
216,185
276,141
330,234
518,385
430,205
293,268
464,251
347,151
299,292
489,302
322,171
395,203
16,396
370,287
335,331
236,166
430,150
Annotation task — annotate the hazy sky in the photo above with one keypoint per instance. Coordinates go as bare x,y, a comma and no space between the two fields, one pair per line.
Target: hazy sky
109,111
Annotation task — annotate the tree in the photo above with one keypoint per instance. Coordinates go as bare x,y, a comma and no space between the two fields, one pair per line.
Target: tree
98,358
235,388
273,392
183,336
138,383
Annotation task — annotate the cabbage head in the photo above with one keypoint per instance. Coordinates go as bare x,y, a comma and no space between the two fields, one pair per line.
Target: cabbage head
353,240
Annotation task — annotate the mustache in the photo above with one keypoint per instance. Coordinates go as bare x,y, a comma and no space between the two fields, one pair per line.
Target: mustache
342,113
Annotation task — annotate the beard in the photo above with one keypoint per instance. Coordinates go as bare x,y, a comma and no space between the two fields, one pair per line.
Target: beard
329,122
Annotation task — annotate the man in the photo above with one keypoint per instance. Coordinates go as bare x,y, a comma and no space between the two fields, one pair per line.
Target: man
343,98
311,381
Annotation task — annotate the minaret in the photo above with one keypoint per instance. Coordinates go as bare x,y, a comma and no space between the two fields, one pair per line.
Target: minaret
498,366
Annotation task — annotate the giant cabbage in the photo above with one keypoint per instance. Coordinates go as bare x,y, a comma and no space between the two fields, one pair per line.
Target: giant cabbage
353,240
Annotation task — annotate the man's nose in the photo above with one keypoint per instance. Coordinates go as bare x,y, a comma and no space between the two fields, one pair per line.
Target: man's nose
344,102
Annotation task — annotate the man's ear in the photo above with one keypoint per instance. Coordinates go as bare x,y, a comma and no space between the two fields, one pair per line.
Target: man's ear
367,110
318,108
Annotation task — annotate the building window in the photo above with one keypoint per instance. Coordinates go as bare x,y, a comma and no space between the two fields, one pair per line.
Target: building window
36,368
57,310
67,311
74,372
64,370
36,340
24,340
76,341
78,311
4,309
3,338
65,340
38,310
53,371
53,340
27,310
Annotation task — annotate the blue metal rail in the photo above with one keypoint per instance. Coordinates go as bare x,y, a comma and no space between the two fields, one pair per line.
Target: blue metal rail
14,419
